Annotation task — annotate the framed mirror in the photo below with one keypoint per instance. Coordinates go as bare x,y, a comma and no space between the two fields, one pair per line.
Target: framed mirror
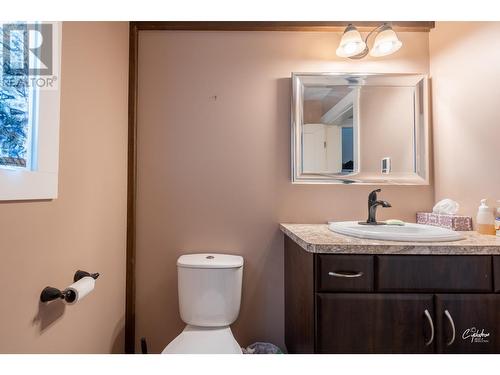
354,128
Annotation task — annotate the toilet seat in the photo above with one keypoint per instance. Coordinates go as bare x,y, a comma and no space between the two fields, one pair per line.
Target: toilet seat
204,340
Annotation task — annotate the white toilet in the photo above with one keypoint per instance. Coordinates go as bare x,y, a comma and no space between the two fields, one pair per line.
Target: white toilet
209,301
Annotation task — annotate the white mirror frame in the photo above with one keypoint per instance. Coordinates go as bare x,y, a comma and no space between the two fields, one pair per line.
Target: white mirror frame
421,141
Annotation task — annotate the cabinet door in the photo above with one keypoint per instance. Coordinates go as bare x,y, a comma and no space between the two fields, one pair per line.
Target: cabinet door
468,323
374,323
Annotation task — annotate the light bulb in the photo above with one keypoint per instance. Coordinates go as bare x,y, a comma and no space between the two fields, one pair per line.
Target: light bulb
386,47
351,48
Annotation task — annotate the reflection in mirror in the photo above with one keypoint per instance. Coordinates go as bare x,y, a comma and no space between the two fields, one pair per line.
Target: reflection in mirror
359,128
327,132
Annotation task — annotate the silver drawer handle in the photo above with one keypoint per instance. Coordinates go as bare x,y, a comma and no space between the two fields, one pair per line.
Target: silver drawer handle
346,274
452,324
431,324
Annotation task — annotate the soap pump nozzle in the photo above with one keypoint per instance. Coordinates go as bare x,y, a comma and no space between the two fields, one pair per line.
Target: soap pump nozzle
484,207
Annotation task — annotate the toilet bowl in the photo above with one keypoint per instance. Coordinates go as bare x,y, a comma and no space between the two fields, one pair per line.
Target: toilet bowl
204,340
209,288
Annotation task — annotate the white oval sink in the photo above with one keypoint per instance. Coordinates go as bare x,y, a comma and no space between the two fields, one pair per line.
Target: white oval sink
409,232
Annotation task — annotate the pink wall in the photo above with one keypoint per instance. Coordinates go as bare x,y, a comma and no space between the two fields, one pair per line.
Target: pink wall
214,175
386,118
465,71
45,242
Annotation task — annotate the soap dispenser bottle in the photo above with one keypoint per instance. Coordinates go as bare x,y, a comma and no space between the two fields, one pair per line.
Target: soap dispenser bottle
497,219
485,219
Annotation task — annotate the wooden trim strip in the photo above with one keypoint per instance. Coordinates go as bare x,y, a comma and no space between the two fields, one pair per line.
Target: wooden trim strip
337,26
131,190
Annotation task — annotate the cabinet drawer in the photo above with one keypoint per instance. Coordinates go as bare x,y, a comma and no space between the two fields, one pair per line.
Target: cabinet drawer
344,273
434,273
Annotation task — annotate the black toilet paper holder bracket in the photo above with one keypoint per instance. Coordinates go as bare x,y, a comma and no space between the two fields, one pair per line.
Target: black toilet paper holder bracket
50,293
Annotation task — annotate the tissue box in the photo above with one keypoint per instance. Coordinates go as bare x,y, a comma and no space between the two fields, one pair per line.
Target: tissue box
453,222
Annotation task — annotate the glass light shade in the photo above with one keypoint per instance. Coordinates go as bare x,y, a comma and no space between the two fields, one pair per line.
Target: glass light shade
351,43
386,42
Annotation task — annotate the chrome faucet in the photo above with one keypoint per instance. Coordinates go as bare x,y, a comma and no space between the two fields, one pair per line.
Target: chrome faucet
373,203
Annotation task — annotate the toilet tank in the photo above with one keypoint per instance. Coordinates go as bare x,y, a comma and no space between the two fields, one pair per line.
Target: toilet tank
209,288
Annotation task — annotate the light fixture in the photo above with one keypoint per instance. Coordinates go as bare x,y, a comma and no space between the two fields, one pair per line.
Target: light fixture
386,42
352,45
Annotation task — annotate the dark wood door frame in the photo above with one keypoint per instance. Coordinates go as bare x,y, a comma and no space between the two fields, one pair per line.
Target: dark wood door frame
134,28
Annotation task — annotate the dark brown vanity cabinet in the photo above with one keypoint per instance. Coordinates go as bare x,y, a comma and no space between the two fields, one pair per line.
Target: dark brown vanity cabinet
343,303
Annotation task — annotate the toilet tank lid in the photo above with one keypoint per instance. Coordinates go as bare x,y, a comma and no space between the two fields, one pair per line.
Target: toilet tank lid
210,260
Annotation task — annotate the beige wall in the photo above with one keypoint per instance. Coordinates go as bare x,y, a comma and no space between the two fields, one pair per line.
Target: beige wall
44,242
313,110
465,70
214,175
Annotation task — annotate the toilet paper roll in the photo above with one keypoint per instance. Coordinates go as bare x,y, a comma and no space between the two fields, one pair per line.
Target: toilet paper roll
78,290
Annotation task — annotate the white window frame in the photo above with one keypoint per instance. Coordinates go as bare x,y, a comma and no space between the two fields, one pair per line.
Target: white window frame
42,181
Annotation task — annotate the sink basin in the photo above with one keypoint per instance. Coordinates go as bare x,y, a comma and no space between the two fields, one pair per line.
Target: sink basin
409,232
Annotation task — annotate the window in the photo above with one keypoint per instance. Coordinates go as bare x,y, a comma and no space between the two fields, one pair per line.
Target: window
18,105
29,110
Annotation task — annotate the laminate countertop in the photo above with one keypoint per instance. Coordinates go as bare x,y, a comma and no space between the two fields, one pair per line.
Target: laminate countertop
317,238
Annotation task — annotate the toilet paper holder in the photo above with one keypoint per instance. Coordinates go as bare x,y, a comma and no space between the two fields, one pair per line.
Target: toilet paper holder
50,293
